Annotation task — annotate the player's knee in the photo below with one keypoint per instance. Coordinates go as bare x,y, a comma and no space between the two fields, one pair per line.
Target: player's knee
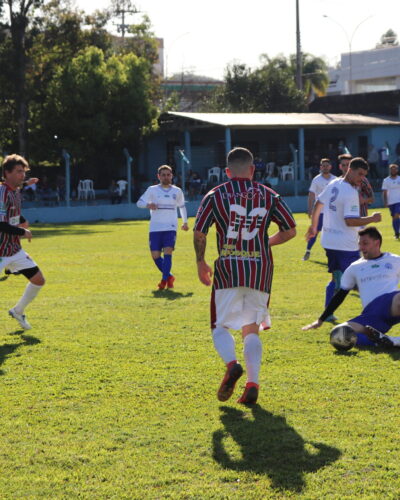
38,279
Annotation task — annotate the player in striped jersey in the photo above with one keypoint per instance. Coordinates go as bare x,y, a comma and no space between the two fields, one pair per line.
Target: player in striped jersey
242,211
13,227
163,200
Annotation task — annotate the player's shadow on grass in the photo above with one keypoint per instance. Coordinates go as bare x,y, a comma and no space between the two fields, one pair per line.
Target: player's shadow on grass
170,294
393,353
268,445
7,349
323,264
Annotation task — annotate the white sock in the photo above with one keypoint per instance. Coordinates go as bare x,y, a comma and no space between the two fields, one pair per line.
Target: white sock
252,356
395,340
224,344
30,293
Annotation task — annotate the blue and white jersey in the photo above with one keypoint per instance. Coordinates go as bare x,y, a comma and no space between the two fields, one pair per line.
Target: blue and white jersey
373,277
165,217
341,201
392,187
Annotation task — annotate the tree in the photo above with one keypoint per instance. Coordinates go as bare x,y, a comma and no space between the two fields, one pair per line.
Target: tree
266,89
19,13
388,39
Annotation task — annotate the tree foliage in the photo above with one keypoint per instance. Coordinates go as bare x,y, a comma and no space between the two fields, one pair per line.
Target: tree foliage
271,87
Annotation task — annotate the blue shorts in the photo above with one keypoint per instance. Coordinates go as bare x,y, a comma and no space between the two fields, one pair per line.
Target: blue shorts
320,222
394,209
377,313
162,239
339,260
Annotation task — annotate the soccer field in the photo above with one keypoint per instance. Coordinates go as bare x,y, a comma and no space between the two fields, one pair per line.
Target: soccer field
112,394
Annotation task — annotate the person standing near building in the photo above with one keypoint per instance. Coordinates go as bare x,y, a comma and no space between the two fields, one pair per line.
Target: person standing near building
163,199
391,196
318,184
13,227
242,211
341,205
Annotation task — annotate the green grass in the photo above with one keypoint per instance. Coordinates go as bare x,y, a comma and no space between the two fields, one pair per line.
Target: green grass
112,393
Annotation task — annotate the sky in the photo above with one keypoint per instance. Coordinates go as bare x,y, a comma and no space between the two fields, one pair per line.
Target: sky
205,36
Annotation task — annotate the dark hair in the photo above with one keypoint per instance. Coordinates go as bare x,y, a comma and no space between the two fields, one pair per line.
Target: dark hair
344,156
11,161
164,167
372,232
325,160
359,162
240,156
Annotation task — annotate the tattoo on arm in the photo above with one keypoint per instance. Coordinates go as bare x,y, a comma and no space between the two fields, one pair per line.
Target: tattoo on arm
200,242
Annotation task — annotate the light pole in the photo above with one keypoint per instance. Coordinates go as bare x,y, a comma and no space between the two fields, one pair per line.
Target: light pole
299,78
350,42
169,48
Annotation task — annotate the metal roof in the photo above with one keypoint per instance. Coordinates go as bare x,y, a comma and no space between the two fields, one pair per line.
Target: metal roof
275,120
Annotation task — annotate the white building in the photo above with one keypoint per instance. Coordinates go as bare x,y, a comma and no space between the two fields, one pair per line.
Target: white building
372,70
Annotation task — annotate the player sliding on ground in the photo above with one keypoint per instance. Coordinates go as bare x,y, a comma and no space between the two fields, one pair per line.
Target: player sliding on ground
163,200
13,227
242,211
377,276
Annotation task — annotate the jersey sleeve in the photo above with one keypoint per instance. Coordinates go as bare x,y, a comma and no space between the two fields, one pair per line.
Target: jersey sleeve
180,199
384,185
313,187
351,206
205,216
323,197
145,198
348,279
282,216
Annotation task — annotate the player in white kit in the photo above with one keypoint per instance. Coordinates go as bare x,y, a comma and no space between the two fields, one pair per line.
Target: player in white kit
339,237
318,184
376,275
391,196
163,201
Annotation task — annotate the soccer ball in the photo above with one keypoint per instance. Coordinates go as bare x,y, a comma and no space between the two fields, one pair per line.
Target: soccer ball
343,337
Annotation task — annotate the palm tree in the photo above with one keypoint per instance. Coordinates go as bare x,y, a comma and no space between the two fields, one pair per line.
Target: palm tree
315,75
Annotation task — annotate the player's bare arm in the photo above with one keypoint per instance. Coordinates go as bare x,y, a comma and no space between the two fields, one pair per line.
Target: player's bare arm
312,326
27,235
282,237
204,271
363,221
312,230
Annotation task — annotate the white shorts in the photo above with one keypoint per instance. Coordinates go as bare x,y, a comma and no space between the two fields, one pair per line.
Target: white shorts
237,307
17,262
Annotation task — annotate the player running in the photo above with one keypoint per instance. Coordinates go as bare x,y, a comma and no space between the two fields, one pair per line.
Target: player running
318,184
377,277
339,238
391,196
163,200
242,211
13,227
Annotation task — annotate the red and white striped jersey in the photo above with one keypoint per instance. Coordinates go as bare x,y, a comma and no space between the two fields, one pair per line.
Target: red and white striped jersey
10,211
242,211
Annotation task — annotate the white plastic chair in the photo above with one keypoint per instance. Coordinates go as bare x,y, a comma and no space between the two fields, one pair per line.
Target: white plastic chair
214,174
287,171
85,189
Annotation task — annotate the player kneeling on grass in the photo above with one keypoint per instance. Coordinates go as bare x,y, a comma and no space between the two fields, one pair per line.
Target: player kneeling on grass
13,227
242,211
376,275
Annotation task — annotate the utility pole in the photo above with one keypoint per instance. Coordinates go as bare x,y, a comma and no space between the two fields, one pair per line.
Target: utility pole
123,8
299,78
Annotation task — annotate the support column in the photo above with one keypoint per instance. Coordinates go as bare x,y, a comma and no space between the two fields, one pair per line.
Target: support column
301,154
187,147
228,140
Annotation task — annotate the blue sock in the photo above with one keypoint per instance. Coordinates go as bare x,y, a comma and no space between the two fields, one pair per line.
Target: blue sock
159,262
311,242
397,226
167,266
363,340
394,224
329,292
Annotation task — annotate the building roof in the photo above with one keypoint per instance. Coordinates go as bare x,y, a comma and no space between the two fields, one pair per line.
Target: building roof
273,120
